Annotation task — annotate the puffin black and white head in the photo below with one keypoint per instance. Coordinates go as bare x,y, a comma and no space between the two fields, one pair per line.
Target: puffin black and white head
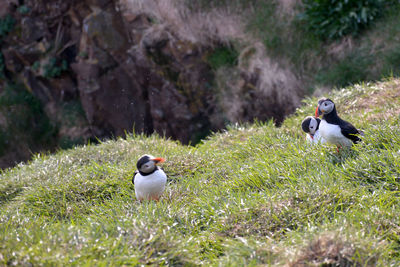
310,125
333,129
147,164
149,179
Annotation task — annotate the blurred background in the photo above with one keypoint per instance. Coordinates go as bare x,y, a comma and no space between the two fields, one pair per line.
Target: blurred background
73,72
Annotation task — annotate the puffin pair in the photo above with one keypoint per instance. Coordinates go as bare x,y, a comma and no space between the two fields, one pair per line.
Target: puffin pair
332,128
149,179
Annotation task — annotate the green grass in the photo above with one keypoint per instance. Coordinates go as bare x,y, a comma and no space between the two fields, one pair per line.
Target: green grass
251,195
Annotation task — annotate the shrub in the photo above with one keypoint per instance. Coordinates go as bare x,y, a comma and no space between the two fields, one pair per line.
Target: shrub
25,116
332,19
223,56
54,68
6,25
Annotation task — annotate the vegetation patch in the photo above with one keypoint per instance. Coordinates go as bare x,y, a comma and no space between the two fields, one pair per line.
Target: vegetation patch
68,200
6,25
351,70
223,57
24,114
330,249
335,19
8,192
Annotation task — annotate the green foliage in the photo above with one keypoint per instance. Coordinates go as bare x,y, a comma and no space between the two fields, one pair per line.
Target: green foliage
6,25
223,56
23,9
36,66
336,18
15,95
24,114
72,111
391,62
2,66
54,68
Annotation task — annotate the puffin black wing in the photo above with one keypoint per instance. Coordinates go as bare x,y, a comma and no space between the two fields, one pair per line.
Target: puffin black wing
349,131
133,178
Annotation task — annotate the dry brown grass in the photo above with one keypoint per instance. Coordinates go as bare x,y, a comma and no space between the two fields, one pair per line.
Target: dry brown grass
202,27
274,79
287,7
340,49
326,250
272,87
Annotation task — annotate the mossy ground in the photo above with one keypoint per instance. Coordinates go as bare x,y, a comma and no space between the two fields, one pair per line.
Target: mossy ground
251,195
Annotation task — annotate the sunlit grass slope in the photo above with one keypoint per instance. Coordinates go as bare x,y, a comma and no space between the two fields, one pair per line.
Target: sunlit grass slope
253,195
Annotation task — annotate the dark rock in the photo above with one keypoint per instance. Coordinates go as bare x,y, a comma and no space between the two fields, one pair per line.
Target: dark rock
112,102
99,3
49,11
4,8
138,24
184,94
13,62
63,89
87,73
105,30
32,52
37,87
33,29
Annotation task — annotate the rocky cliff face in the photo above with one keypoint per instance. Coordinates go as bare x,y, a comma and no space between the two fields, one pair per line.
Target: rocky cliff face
130,70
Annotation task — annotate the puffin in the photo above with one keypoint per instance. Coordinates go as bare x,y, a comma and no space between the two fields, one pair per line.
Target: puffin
149,179
332,128
310,125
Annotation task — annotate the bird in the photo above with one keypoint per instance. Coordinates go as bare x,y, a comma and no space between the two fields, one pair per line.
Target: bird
310,125
332,128
149,179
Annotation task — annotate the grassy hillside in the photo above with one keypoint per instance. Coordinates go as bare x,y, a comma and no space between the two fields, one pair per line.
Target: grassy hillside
251,195
273,50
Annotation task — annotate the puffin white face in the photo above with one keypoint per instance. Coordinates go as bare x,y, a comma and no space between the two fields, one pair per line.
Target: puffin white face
148,166
326,106
313,126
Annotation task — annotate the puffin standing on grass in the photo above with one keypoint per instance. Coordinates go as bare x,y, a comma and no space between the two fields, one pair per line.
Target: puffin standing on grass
310,125
149,179
332,128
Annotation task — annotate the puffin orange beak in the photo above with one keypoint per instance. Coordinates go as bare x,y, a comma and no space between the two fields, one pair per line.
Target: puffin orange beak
158,160
317,112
